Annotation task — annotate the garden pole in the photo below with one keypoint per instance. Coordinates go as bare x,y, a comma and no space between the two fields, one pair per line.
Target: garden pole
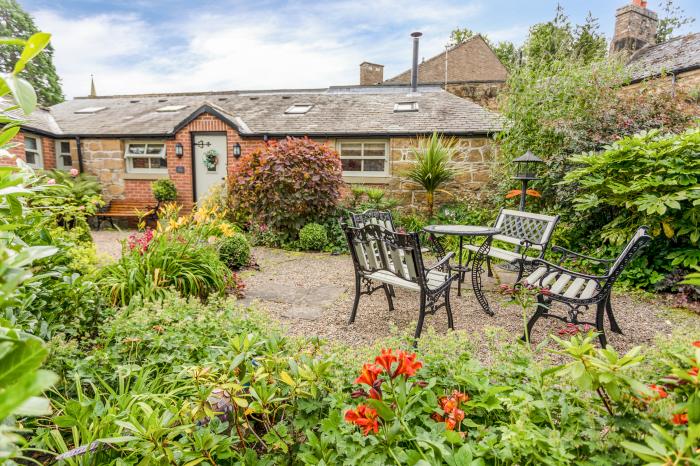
523,193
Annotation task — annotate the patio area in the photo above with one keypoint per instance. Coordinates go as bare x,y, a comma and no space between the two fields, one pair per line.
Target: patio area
312,293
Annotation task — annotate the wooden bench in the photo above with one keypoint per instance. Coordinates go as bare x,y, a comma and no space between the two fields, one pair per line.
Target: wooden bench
383,259
126,209
526,231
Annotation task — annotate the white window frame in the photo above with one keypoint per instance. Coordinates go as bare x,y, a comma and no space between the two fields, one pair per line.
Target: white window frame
130,157
59,154
363,157
299,109
38,153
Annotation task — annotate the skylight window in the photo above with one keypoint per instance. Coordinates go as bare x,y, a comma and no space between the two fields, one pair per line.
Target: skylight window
298,109
171,108
90,110
406,107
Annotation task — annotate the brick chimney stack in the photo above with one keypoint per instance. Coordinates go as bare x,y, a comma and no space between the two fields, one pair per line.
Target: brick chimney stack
371,74
635,28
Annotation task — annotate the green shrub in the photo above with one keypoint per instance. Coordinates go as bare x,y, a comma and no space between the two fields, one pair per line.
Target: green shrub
164,190
648,179
153,263
313,237
287,184
234,251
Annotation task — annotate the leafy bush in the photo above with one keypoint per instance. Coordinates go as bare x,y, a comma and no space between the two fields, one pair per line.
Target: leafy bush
234,251
70,201
153,263
183,372
164,190
313,237
362,198
287,184
647,179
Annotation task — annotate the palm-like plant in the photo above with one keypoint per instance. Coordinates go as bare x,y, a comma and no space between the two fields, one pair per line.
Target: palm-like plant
433,166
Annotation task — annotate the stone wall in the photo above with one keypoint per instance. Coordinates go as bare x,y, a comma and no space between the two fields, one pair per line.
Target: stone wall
483,93
473,161
104,158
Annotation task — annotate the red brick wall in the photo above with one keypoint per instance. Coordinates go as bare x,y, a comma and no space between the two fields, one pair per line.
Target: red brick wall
48,150
202,124
139,190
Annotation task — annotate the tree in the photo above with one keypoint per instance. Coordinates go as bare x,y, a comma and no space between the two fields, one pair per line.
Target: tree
550,41
40,72
589,43
672,18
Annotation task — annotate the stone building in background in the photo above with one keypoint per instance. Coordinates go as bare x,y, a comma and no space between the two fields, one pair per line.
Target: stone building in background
470,69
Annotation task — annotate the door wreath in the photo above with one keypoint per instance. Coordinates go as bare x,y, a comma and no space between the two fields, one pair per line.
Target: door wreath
211,158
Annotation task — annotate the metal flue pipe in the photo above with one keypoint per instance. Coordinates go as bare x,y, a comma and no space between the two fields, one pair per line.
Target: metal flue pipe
414,69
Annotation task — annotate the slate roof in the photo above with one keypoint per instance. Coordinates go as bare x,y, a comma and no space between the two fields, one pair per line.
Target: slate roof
335,111
40,120
675,55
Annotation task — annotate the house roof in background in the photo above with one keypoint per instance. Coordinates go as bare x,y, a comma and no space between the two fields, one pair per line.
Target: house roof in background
675,55
341,111
470,61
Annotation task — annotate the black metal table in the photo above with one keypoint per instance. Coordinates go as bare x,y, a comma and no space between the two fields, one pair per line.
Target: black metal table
476,264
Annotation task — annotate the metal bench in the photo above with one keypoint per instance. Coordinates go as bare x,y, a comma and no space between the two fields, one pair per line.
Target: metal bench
125,209
579,290
526,230
384,259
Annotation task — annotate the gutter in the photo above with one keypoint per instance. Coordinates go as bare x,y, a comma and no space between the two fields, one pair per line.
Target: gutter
666,73
80,154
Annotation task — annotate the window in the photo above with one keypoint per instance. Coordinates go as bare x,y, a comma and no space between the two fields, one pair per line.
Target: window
146,157
367,158
32,152
171,108
406,107
298,109
64,159
90,110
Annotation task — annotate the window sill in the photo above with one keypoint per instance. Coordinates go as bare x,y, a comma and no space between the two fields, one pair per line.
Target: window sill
360,179
145,176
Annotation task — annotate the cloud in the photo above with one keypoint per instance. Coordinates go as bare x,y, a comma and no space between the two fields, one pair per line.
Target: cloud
233,46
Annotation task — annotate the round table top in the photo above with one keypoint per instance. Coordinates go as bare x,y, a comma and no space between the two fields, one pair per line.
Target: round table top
461,230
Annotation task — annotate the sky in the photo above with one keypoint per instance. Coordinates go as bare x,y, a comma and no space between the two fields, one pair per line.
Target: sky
146,46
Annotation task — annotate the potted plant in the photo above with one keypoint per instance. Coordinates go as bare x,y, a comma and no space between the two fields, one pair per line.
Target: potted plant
164,191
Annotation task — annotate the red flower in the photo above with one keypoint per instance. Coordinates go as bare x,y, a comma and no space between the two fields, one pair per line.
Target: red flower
450,406
407,364
363,417
693,372
375,393
660,392
696,344
679,419
369,374
386,359
450,423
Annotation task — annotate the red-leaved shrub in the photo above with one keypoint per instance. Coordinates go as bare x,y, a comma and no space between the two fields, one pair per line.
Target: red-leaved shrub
287,184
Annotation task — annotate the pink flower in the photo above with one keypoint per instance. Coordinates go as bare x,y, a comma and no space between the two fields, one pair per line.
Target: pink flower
74,172
51,181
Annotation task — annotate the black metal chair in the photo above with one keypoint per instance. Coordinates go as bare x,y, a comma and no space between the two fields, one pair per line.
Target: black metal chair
384,259
383,218
579,290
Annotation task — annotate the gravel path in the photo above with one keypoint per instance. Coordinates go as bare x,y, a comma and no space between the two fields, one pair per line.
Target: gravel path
284,276
108,242
311,295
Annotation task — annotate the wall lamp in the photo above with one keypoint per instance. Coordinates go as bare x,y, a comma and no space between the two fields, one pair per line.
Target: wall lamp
179,150
236,150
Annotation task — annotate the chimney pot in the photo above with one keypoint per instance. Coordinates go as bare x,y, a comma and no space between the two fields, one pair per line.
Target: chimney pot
640,3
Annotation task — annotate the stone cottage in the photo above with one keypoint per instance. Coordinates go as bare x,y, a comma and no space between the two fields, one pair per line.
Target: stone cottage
469,69
195,139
